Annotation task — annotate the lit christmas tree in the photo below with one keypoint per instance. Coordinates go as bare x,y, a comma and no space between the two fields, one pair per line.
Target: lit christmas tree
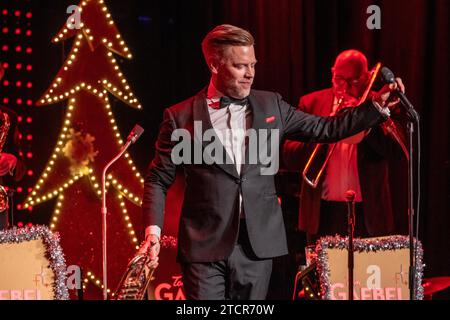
88,140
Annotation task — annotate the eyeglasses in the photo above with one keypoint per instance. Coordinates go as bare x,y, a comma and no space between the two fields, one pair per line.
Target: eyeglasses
340,81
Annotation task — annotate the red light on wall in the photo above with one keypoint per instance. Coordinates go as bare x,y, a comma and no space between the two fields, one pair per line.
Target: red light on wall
19,101
28,33
5,47
29,102
29,85
19,207
29,120
20,136
29,67
30,172
17,13
29,15
18,66
19,189
29,155
18,49
29,224
5,12
18,31
19,118
5,100
20,224
6,83
30,208
29,137
5,30
6,65
18,84
29,190
29,50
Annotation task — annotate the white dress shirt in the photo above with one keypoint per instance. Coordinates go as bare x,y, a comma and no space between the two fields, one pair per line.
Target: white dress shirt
342,168
342,171
230,124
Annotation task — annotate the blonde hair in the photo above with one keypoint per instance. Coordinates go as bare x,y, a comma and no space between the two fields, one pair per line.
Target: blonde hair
223,36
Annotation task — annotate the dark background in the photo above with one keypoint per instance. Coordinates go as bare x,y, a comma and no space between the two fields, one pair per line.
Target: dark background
296,44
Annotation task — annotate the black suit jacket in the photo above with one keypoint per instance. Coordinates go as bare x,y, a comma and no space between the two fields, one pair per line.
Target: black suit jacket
209,221
373,167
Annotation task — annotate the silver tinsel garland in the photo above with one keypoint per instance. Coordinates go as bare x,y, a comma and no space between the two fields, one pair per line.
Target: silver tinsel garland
366,245
53,251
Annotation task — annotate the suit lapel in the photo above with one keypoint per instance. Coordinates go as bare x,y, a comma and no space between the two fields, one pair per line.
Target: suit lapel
258,112
201,114
258,122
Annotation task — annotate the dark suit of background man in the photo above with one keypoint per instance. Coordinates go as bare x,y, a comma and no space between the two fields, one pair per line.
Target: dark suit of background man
359,163
231,224
12,167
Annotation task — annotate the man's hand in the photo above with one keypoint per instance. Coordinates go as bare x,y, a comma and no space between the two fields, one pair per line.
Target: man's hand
386,96
151,247
7,163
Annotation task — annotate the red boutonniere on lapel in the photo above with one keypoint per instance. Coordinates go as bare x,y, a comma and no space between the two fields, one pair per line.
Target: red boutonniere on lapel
270,119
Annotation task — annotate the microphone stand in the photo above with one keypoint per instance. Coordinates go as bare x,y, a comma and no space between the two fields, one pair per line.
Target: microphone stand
104,216
350,197
413,118
412,248
132,137
412,267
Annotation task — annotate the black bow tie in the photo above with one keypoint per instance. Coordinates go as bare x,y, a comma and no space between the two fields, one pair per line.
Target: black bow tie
226,101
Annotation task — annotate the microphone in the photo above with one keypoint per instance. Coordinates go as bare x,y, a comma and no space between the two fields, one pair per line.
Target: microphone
132,137
388,77
135,134
350,195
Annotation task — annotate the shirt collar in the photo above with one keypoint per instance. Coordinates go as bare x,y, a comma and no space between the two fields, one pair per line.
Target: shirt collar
213,94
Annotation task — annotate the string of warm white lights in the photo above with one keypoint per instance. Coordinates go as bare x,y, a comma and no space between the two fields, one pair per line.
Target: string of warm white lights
58,191
90,277
98,89
116,45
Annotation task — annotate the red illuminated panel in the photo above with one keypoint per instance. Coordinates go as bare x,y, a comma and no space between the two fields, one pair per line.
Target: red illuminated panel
16,87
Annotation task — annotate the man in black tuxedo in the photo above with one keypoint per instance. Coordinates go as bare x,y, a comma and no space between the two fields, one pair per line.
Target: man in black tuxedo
231,224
